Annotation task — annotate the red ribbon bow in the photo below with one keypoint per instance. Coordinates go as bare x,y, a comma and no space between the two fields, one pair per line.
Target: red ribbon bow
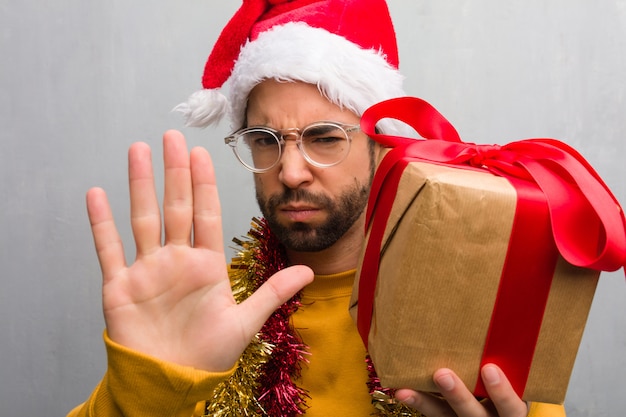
587,221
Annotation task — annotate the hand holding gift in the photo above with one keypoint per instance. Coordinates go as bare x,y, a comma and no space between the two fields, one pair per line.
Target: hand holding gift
458,400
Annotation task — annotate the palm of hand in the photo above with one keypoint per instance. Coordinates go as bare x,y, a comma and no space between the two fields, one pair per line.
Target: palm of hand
175,304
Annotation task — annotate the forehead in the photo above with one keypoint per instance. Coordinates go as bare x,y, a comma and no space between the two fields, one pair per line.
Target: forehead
292,104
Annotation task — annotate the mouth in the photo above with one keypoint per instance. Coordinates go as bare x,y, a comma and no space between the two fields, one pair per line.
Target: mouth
299,213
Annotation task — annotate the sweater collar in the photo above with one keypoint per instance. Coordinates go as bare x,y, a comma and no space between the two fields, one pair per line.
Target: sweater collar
330,285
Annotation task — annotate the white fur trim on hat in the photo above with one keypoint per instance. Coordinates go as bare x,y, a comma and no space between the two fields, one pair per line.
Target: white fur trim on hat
203,108
348,75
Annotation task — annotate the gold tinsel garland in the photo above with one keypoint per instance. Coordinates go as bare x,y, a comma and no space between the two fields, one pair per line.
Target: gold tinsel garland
239,395
238,392
263,383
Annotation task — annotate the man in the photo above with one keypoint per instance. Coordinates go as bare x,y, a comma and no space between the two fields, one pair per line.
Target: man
176,334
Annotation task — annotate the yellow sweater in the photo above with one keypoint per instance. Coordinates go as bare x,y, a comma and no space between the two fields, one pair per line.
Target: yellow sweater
139,385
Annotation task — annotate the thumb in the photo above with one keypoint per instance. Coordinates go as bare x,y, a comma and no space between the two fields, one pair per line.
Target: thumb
277,290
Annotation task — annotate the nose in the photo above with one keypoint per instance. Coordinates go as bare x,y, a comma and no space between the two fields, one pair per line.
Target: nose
294,170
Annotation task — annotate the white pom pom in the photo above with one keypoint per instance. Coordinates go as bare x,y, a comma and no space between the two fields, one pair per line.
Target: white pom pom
203,108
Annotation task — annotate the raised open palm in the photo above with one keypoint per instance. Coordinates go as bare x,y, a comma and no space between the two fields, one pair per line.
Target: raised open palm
174,302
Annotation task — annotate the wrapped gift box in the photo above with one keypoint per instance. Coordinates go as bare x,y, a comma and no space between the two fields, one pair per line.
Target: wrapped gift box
466,272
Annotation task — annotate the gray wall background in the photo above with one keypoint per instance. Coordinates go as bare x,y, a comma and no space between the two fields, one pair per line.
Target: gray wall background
80,81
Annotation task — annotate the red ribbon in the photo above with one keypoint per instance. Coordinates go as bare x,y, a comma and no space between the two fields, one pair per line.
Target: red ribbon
576,216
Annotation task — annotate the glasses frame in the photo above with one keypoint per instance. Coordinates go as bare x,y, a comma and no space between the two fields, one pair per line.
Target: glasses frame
280,135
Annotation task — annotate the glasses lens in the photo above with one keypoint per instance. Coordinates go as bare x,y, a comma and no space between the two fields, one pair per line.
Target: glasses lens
325,143
258,148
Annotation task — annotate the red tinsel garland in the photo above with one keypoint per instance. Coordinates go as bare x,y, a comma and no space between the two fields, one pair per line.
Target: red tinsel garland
278,394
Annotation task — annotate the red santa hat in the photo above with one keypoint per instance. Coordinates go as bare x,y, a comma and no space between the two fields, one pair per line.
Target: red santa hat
345,47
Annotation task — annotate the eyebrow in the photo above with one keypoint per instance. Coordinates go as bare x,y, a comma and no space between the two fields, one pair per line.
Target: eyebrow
320,130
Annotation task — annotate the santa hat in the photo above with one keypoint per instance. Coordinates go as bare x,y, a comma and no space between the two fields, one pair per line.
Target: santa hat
345,47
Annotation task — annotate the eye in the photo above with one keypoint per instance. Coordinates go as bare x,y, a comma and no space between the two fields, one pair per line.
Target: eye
324,136
325,140
260,140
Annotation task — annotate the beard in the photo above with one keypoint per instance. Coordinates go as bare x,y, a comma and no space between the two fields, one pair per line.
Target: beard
303,237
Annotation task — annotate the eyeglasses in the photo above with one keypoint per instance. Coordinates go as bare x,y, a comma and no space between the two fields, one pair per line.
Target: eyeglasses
322,144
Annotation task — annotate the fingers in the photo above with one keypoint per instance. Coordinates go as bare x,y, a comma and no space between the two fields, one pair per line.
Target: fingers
501,392
106,238
457,400
145,216
207,217
190,196
424,403
178,196
272,294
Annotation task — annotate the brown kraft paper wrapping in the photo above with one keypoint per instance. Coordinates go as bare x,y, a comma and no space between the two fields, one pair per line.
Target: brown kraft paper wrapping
443,250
